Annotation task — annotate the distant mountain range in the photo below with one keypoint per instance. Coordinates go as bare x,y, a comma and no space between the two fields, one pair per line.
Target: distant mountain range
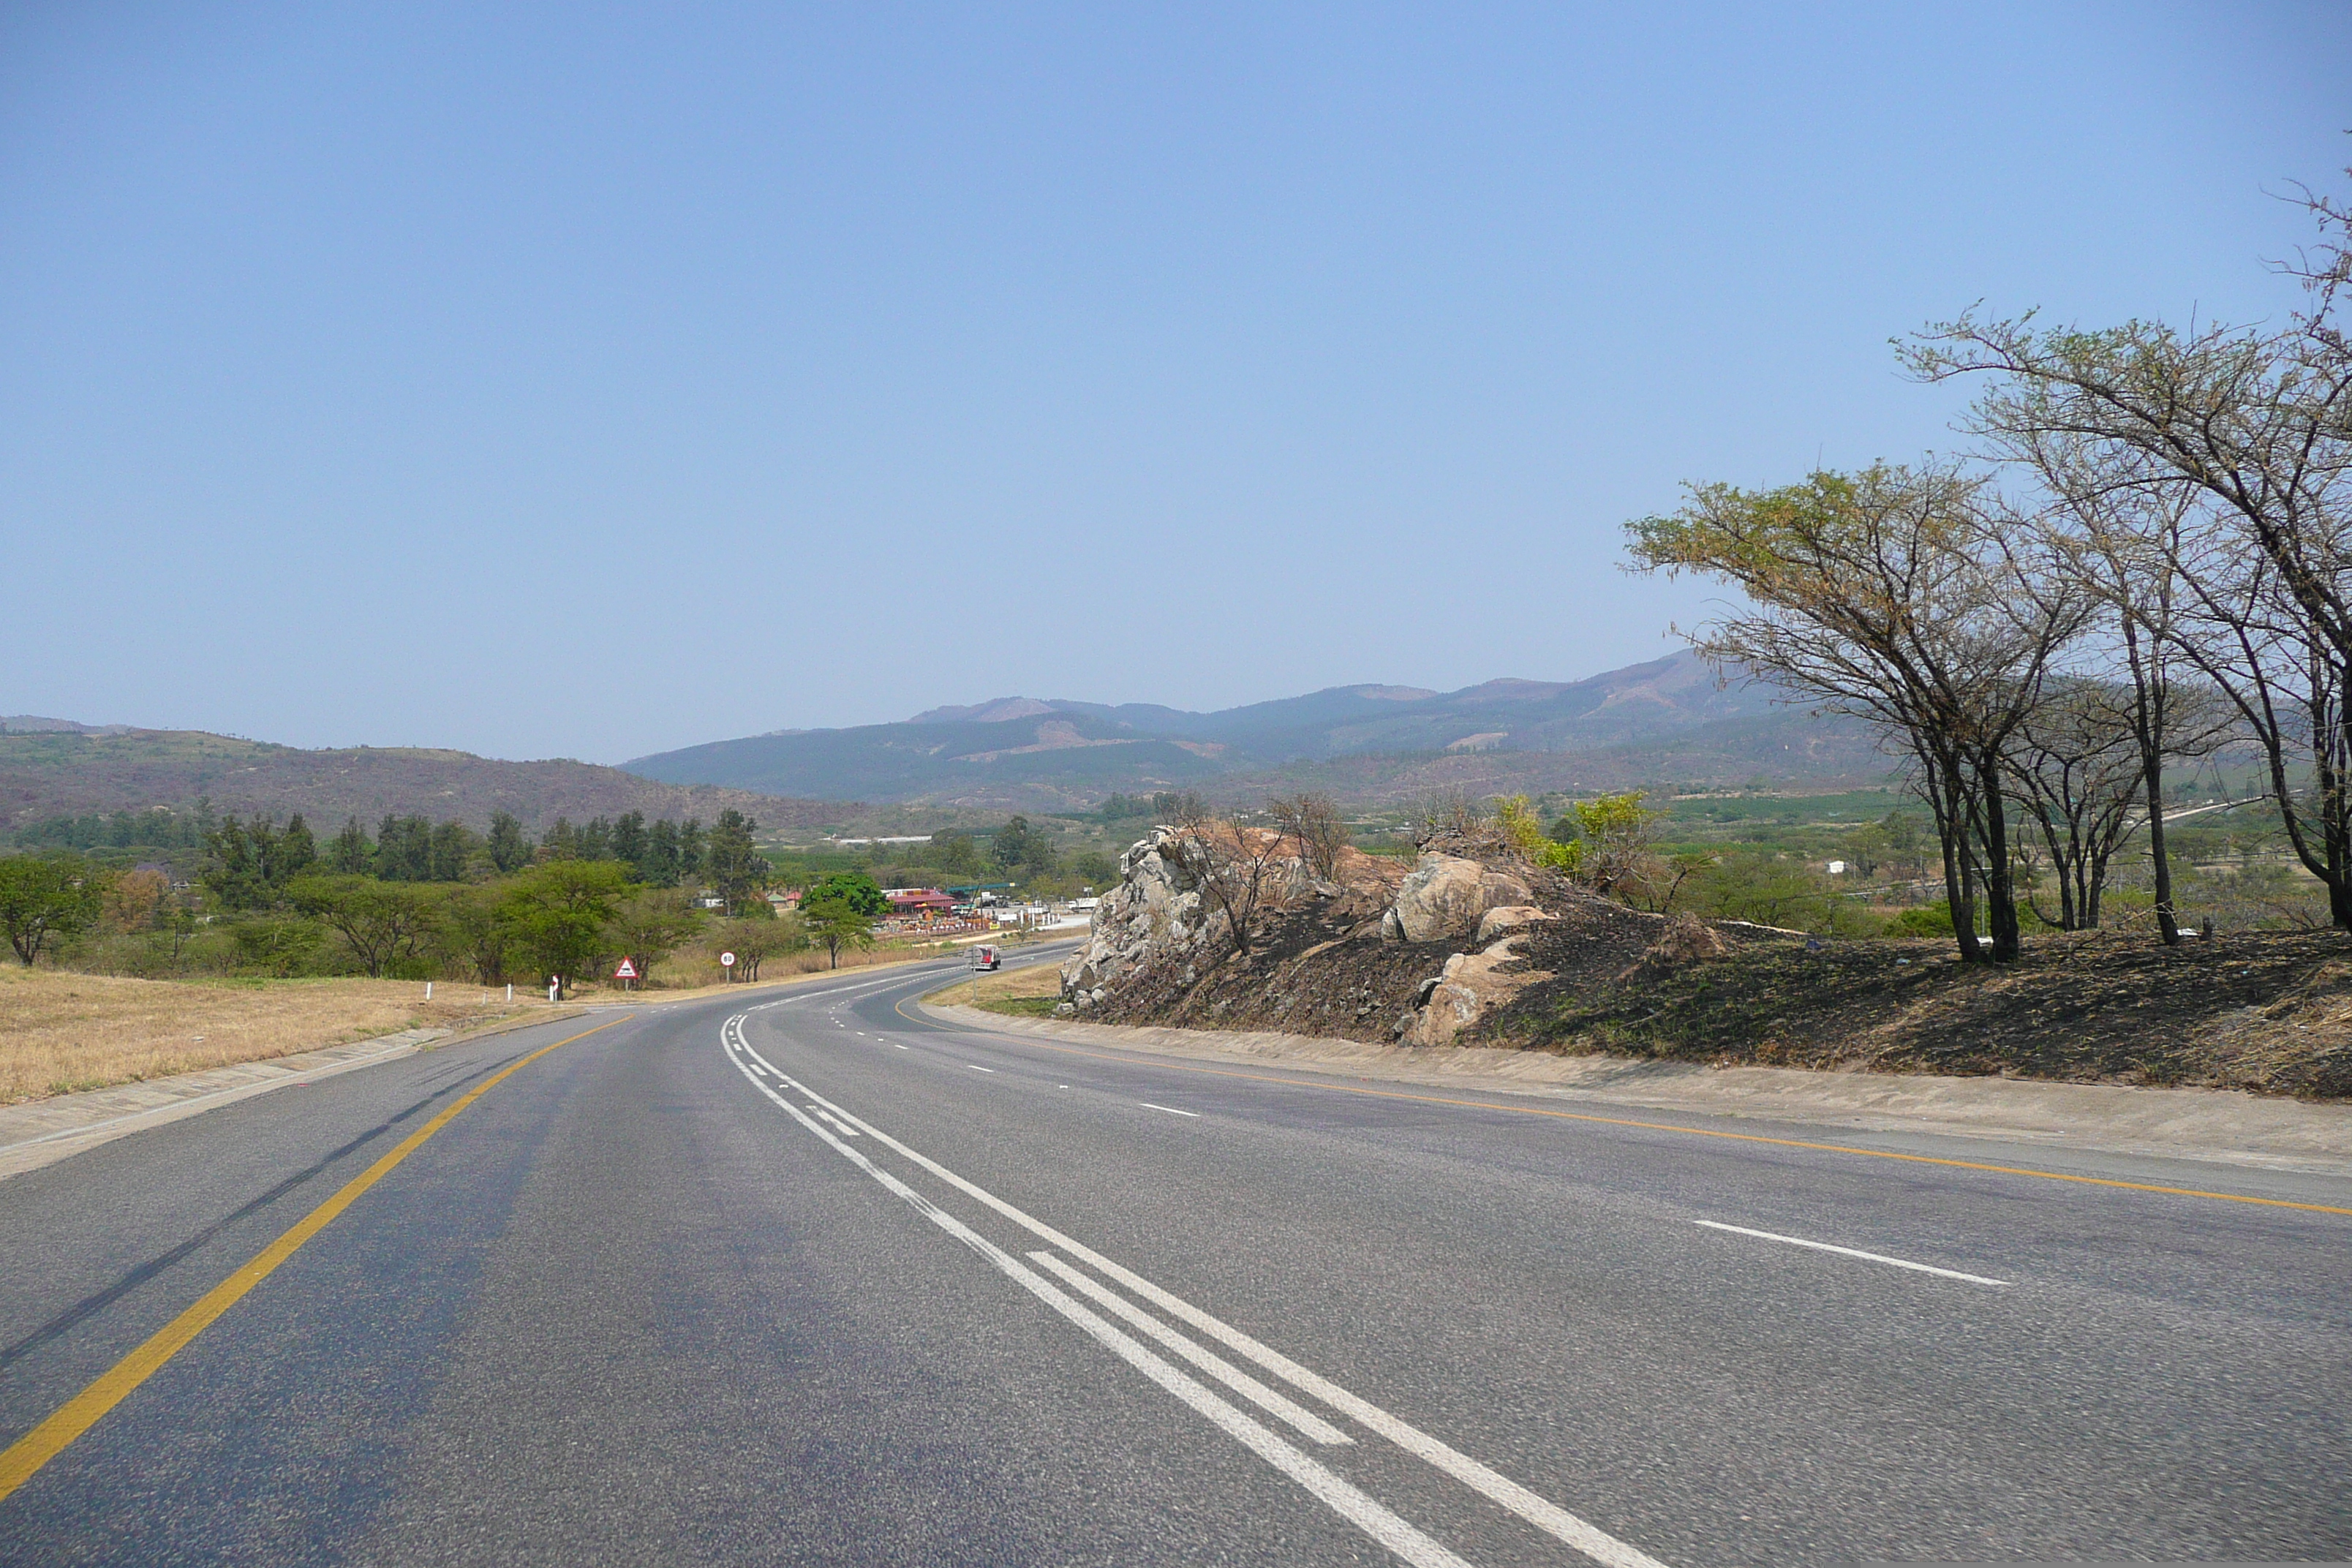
1667,721
64,769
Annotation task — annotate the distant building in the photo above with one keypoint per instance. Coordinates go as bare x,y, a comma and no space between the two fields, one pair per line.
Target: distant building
918,901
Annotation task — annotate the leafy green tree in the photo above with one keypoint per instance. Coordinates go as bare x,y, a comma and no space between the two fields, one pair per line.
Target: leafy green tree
560,912
952,855
253,861
404,849
689,849
561,842
834,919
856,888
510,851
1015,845
735,869
653,924
474,933
1095,868
755,942
45,898
352,855
385,924
596,839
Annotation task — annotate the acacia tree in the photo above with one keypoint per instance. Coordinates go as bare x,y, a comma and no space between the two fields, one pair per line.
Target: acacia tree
1892,595
44,898
2258,424
2075,769
655,923
383,923
560,912
2123,536
834,919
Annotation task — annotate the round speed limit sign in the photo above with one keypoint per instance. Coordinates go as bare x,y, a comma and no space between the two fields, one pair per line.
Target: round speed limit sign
726,960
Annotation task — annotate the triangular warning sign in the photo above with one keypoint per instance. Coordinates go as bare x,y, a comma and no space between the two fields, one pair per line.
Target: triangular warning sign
629,970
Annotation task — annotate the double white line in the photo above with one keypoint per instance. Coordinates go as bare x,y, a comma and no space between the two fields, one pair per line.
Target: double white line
1335,1491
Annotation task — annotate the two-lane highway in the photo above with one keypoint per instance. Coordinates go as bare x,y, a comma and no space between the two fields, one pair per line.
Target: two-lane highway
814,1277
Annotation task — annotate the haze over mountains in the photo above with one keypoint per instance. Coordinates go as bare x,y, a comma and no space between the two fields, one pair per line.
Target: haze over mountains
1667,724
1667,720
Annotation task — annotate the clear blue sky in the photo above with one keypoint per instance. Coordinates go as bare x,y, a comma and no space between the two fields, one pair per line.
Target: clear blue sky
588,380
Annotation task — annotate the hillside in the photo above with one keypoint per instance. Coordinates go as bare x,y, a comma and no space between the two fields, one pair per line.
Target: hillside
69,773
1669,720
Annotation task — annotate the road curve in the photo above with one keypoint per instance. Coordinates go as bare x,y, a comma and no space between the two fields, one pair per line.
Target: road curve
813,1277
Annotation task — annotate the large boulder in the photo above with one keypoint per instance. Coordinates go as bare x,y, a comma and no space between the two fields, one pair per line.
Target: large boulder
1505,918
1467,991
1445,896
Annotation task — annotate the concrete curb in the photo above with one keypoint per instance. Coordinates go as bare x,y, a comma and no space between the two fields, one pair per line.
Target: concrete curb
2218,1126
44,1132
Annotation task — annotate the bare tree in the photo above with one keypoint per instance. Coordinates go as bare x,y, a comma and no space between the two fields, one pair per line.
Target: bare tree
1895,596
2075,769
1237,869
1314,821
2122,534
2258,426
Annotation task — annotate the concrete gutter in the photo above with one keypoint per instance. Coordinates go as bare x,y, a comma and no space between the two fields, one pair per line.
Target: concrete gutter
2222,1126
44,1132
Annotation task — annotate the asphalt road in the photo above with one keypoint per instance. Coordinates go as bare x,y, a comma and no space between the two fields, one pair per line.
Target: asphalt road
809,1278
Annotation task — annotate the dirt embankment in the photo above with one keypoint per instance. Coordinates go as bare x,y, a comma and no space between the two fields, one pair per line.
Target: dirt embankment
2266,1011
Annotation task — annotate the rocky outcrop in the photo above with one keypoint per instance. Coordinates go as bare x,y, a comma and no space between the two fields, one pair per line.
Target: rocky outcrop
1469,941
1154,910
1446,897
1470,986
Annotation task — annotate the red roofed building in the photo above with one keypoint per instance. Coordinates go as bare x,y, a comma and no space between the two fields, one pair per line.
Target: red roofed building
918,901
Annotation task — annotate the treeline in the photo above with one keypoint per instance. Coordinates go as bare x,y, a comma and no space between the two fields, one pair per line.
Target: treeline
2147,557
557,921
252,861
1019,851
155,828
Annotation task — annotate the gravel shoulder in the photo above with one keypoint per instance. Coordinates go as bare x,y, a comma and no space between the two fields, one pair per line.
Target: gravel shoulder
2221,1126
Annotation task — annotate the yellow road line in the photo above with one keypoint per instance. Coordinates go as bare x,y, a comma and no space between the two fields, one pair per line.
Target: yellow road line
44,1442
1693,1132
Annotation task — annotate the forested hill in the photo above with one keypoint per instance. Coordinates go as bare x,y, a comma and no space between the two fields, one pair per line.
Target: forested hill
1667,720
64,773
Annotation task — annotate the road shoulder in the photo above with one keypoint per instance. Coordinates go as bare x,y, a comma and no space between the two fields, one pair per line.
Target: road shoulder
2218,1126
42,1131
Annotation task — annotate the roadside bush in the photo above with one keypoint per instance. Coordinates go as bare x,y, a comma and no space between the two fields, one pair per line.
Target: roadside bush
280,946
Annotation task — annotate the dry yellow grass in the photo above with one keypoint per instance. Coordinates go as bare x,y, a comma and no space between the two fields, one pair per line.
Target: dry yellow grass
1038,980
61,1032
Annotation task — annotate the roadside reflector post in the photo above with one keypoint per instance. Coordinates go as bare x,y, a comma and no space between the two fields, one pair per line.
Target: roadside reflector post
429,991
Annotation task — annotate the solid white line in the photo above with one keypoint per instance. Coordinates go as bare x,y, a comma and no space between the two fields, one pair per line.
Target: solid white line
1537,1510
977,1068
1352,1504
1215,1365
1850,1252
1168,1109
